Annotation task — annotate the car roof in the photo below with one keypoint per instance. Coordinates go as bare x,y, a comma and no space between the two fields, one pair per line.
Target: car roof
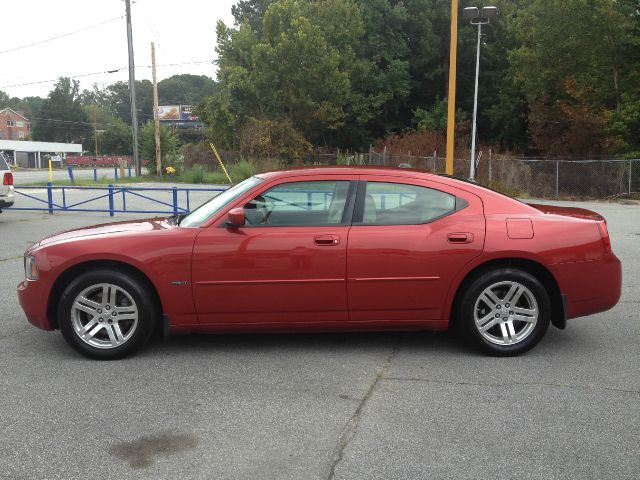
345,170
367,170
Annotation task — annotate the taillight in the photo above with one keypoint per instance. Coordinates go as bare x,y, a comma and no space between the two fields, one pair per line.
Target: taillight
604,233
8,179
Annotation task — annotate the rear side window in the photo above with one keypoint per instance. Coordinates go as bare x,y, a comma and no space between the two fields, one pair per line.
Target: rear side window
403,204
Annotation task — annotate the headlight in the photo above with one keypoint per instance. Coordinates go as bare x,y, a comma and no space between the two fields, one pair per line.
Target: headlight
31,268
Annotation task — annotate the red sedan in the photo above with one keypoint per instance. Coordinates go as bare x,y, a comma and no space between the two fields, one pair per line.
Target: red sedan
327,249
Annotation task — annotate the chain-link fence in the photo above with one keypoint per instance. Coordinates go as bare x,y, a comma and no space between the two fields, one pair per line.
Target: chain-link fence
534,177
515,176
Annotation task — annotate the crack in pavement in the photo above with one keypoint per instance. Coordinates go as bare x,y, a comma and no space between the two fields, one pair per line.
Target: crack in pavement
524,384
11,258
349,430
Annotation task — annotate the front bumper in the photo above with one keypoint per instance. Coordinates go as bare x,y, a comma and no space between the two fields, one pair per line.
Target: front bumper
33,296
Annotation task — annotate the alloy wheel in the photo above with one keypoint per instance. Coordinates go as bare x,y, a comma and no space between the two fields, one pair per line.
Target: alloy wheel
104,316
506,313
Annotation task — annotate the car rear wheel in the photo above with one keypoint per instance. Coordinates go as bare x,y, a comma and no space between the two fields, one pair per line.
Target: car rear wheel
106,314
505,312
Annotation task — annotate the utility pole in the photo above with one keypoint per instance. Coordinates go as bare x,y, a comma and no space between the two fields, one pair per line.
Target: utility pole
451,105
132,91
156,117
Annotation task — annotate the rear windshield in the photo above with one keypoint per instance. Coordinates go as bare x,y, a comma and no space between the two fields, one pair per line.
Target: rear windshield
3,163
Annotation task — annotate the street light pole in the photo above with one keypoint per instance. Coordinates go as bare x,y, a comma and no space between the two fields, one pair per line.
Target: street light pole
477,17
472,171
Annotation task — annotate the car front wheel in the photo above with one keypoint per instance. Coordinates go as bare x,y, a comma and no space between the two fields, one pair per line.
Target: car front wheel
505,312
106,314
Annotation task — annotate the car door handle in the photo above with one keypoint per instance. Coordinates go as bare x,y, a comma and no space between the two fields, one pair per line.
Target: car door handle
460,237
326,240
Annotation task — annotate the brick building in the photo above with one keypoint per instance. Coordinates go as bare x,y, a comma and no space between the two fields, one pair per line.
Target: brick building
13,125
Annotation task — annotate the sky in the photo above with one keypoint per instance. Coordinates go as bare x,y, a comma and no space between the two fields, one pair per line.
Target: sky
183,31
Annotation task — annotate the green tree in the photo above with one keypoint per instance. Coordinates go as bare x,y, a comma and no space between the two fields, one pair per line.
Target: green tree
116,138
576,61
291,73
117,99
61,115
185,89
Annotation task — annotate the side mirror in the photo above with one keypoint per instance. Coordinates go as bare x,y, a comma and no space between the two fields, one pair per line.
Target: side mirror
235,217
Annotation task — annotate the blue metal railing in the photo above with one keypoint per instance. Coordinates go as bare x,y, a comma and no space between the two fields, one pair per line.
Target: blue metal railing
110,192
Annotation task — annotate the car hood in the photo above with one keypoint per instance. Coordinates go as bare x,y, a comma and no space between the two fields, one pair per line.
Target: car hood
568,211
106,230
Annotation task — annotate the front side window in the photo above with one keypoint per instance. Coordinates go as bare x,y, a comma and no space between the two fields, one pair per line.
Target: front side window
204,212
300,204
403,204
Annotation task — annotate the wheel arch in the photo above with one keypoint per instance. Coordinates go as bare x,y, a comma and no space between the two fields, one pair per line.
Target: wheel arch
537,269
79,268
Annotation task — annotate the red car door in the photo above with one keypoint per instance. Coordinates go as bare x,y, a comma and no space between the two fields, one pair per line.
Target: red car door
408,239
286,264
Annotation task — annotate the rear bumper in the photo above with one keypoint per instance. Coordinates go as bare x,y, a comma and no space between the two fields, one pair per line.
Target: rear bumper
7,197
590,287
33,300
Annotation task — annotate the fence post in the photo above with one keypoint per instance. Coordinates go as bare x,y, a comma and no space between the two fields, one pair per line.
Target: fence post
630,164
50,197
115,170
557,176
175,200
95,174
111,200
435,161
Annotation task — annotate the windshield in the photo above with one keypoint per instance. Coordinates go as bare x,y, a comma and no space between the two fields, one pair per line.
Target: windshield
208,209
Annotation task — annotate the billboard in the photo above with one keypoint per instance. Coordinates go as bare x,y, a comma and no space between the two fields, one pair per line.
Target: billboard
169,112
176,113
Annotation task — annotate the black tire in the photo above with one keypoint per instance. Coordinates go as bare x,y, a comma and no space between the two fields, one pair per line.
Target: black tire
504,324
132,292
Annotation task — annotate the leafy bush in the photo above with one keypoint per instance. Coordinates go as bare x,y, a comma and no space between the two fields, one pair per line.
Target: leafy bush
241,170
168,144
273,139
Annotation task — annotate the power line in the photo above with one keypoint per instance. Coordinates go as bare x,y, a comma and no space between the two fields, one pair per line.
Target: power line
115,70
61,36
56,79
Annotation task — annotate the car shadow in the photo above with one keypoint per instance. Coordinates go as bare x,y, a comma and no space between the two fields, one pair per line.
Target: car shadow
339,342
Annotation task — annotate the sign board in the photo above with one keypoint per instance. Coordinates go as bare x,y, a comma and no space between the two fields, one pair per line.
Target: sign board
169,112
177,113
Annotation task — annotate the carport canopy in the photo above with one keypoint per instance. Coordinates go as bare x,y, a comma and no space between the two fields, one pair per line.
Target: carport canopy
17,146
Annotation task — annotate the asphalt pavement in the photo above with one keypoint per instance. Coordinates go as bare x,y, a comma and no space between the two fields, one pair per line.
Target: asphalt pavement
322,406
